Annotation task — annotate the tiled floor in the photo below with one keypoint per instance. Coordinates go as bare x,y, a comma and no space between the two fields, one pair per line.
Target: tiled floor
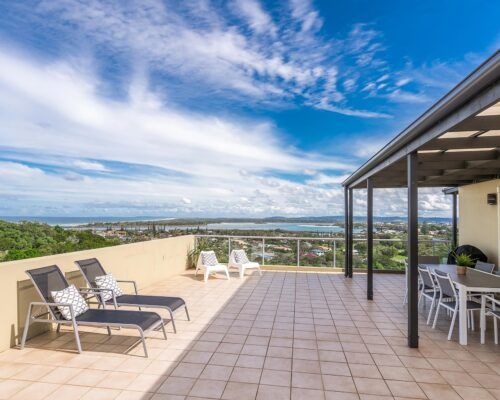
283,335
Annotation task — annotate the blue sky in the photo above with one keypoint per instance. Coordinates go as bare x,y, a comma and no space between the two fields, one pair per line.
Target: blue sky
219,108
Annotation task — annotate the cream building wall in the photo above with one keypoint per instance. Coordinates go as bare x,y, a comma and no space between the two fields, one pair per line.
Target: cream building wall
479,223
144,262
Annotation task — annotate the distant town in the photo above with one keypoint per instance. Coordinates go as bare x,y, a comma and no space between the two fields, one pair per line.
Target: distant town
315,242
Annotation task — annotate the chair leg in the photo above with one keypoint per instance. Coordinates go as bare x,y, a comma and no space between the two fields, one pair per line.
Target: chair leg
187,313
430,311
242,272
77,337
227,274
27,324
172,320
109,330
472,323
58,329
205,278
163,330
143,339
436,316
260,272
450,333
495,328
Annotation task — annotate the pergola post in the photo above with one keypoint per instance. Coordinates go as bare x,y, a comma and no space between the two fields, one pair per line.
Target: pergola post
412,275
369,247
346,231
454,228
350,230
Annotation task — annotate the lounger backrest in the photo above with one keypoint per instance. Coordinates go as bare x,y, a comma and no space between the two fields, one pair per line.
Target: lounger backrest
91,269
48,279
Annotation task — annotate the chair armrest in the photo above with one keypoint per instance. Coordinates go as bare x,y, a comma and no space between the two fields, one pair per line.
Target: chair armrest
100,291
52,304
132,282
492,299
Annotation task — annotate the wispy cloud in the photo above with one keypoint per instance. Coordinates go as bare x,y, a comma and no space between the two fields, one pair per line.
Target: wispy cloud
54,111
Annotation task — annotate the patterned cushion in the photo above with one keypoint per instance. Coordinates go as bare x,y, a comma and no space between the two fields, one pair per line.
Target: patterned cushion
209,258
70,295
108,282
241,257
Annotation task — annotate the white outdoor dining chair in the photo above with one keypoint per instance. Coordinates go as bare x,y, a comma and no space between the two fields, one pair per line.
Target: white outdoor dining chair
238,259
493,311
429,290
449,300
209,263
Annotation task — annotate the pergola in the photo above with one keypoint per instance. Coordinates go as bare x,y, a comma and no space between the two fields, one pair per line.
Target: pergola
455,142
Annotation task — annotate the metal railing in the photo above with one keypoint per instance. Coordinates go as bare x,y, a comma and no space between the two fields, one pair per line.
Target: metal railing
302,251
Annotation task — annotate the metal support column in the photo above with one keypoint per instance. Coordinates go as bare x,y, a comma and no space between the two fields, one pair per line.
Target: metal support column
346,232
369,247
350,241
454,229
412,275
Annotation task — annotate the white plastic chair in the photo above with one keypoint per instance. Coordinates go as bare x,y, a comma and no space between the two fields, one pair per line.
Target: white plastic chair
208,261
238,259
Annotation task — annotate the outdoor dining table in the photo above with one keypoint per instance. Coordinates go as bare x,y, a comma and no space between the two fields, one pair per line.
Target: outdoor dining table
472,281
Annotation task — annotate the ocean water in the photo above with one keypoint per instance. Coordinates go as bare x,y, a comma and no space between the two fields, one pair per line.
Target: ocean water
69,222
74,221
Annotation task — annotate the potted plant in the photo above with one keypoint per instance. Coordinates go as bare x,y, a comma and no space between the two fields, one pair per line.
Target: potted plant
463,261
202,244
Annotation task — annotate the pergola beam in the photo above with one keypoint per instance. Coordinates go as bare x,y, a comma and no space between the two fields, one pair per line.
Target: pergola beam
461,143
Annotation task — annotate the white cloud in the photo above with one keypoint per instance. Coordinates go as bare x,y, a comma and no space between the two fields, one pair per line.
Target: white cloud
89,165
54,111
257,18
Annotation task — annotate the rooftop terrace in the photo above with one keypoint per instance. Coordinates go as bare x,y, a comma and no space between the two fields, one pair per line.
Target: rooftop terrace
279,336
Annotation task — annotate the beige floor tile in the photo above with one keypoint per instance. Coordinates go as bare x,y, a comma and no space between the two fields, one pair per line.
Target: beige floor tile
459,378
9,388
240,391
268,392
188,370
146,383
426,375
333,368
133,395
306,381
487,380
405,389
364,371
276,378
341,396
339,383
35,391
68,392
87,377
473,393
205,388
246,375
176,385
371,386
395,373
309,394
248,361
439,392
101,394
216,372
310,366
116,380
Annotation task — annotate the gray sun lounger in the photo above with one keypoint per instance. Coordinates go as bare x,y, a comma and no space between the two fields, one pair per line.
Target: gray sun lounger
92,268
51,278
